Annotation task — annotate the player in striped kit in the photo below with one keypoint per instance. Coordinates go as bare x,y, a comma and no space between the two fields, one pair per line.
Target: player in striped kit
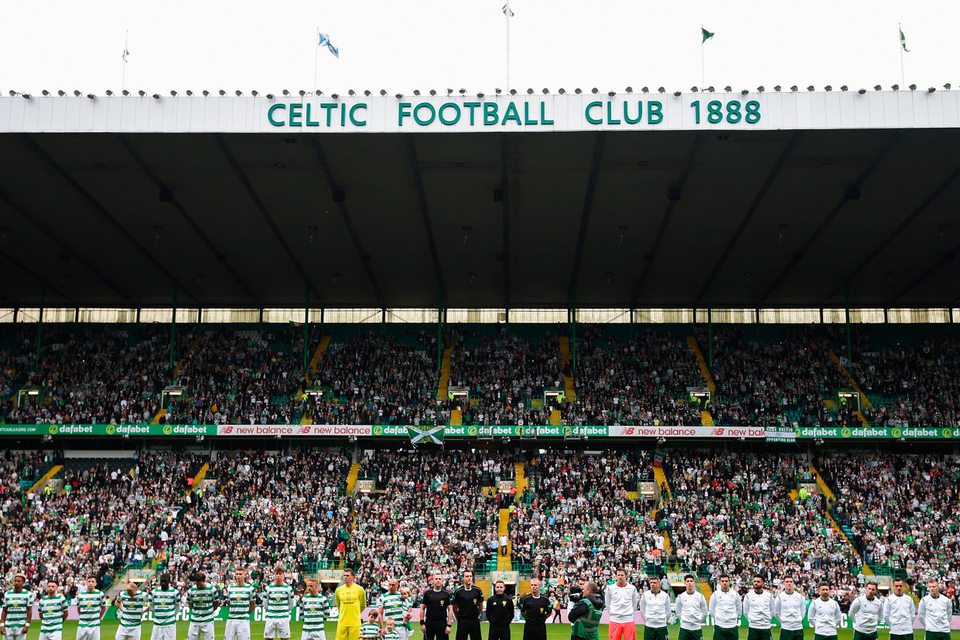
278,602
53,611
132,603
314,611
202,600
241,599
17,610
164,605
394,607
91,607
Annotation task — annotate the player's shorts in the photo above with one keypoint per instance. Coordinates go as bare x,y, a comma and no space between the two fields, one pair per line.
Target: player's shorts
901,636
722,633
198,629
858,635
237,630
690,634
125,633
351,632
50,635
622,631
793,634
164,632
936,635
759,634
15,633
404,633
88,633
276,628
656,633
817,636
313,635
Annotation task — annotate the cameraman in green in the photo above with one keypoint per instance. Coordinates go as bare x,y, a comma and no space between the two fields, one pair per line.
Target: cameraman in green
585,615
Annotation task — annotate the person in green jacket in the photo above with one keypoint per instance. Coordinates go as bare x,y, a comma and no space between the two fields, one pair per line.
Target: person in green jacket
585,615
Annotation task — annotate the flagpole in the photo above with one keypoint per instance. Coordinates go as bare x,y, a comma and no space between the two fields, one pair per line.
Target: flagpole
316,56
507,16
903,76
126,47
703,73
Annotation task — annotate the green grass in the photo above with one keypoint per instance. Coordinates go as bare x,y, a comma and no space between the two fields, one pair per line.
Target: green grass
554,631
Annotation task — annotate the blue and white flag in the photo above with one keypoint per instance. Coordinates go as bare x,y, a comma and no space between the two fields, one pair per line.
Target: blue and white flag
325,42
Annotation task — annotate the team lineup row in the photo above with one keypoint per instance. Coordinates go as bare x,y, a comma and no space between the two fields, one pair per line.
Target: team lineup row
439,610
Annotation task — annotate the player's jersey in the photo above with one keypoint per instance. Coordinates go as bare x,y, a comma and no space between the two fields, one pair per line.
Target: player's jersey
394,606
133,608
391,635
203,604
17,605
314,611
239,599
278,602
350,602
164,604
52,609
369,630
89,605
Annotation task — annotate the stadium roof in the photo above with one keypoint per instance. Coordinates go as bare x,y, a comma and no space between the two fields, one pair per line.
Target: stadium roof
787,215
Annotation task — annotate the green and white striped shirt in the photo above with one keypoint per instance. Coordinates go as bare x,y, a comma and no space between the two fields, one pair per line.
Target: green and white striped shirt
164,603
391,635
203,603
239,599
17,605
369,630
52,610
133,607
89,606
394,607
278,602
314,611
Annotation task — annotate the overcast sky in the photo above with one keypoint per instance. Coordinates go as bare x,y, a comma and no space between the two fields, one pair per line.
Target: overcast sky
439,44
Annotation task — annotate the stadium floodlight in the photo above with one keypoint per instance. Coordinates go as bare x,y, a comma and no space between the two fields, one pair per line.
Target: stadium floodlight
223,93
760,89
529,91
173,94
383,92
661,90
77,93
794,88
433,92
947,86
45,92
877,88
595,90
92,96
286,92
694,90
546,91
270,96
462,91
109,93
156,96
895,87
728,88
862,91
578,91
238,93
645,90
931,89
811,88
913,87
561,91
744,92
844,88
611,93
61,93
677,93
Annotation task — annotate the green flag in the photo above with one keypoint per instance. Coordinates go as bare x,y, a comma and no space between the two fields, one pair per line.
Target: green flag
903,41
433,435
709,34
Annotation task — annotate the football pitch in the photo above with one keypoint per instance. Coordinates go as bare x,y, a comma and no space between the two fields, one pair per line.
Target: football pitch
554,631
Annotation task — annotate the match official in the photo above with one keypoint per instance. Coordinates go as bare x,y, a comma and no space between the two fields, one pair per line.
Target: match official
467,607
436,611
534,608
499,613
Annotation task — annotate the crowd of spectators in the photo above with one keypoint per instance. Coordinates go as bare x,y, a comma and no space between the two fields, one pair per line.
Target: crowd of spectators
433,511
733,513
642,380
373,378
901,510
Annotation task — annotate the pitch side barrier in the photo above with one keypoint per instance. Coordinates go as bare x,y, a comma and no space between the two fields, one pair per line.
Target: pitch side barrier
770,434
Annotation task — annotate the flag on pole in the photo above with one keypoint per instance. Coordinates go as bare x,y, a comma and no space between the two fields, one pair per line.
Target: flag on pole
903,41
507,11
127,53
432,435
325,42
706,34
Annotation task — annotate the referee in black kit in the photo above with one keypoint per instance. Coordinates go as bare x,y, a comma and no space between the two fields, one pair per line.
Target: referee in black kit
436,612
499,612
535,608
467,606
